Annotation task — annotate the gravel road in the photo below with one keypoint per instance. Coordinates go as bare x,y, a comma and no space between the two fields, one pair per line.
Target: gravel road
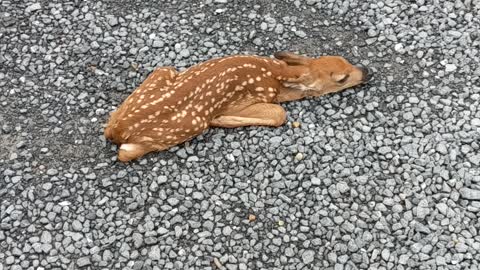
384,176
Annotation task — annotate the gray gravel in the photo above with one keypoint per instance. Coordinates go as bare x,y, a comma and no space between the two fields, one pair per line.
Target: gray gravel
384,176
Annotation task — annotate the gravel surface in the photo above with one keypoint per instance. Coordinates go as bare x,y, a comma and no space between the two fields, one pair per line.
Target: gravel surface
385,176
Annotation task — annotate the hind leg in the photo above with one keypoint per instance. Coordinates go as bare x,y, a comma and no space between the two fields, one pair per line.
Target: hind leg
155,81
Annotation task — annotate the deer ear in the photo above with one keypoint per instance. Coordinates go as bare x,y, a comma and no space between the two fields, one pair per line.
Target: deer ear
291,58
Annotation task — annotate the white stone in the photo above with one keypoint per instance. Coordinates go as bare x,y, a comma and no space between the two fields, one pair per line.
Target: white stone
33,7
450,67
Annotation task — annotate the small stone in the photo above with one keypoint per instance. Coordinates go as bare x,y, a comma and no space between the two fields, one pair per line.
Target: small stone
384,150
308,256
371,33
158,44
33,7
9,260
279,29
173,201
162,230
154,253
385,254
440,260
47,186
442,208
197,195
330,132
107,255
16,179
408,116
137,240
52,172
316,181
342,187
289,252
77,225
450,67
348,110
46,237
162,179
413,100
227,231
475,122
470,194
442,149
182,153
416,248
398,47
276,140
461,247
112,21
299,156
185,53
300,33
327,222
83,261
153,186
427,248
403,259
475,159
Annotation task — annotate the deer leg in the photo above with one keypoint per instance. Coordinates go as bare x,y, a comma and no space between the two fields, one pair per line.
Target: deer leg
286,94
260,114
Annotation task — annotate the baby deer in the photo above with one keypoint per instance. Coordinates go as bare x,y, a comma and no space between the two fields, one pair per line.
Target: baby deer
171,107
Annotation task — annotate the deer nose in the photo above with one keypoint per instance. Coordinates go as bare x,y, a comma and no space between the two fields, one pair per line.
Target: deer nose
367,75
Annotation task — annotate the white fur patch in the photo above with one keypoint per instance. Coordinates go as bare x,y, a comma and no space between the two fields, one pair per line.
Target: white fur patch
128,147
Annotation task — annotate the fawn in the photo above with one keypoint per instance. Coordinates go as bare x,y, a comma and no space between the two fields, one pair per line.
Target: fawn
172,107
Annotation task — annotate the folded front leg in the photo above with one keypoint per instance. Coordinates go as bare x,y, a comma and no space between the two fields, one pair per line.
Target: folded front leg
260,114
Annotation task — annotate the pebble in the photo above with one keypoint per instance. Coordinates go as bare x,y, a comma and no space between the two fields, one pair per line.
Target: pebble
154,253
77,225
450,67
162,179
408,116
475,122
33,7
83,261
470,194
300,33
46,237
316,181
308,256
475,159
